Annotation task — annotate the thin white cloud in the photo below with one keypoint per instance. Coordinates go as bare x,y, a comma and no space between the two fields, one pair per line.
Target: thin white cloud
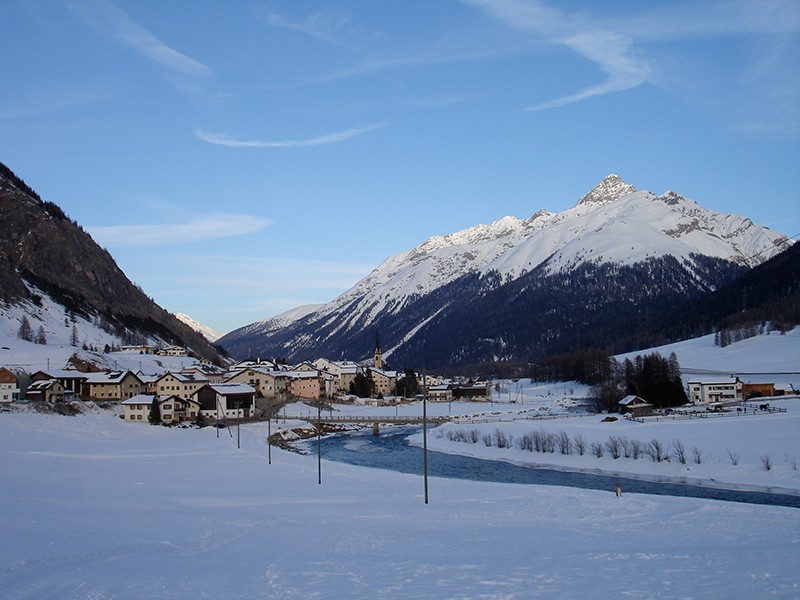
108,19
613,43
320,26
331,138
196,230
614,53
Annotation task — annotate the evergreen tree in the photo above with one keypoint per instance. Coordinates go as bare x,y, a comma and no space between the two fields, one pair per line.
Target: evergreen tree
73,339
25,330
41,338
155,412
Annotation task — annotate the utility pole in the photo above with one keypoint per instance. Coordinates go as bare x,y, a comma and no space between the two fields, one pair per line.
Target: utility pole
269,431
238,415
319,441
425,431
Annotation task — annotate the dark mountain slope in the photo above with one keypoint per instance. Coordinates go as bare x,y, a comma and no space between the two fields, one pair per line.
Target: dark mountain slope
42,246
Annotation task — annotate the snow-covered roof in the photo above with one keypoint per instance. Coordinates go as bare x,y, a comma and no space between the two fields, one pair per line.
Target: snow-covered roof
111,377
632,400
225,389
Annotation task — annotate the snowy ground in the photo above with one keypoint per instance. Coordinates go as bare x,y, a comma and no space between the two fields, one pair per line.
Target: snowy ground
93,507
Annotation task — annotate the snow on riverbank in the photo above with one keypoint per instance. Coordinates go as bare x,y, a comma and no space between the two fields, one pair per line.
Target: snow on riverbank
93,507
749,440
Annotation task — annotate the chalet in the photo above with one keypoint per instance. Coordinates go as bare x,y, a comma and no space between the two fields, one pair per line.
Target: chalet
383,382
440,393
9,390
49,390
716,390
226,400
172,409
141,349
306,385
636,406
114,385
206,371
184,385
346,377
262,380
479,391
71,380
173,351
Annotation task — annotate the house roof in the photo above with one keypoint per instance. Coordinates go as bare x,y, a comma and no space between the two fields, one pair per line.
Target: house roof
226,389
184,377
112,377
632,400
42,384
62,374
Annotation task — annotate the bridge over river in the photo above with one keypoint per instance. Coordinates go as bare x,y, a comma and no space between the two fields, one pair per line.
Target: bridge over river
374,420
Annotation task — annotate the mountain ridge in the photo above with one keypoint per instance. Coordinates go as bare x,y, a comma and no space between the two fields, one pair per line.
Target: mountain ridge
43,249
482,258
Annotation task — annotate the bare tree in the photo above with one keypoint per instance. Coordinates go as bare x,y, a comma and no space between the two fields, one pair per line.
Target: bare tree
679,451
564,443
614,447
626,446
766,462
655,450
697,455
597,449
579,443
636,449
734,457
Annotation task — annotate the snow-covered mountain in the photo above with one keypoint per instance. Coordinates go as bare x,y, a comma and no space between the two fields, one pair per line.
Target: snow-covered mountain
208,332
613,225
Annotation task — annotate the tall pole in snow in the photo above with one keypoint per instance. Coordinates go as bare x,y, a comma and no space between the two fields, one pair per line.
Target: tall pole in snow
269,431
319,441
425,431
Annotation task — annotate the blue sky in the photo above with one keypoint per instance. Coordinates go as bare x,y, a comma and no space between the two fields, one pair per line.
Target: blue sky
242,158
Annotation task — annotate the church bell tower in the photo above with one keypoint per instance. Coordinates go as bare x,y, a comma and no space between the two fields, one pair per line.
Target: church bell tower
378,356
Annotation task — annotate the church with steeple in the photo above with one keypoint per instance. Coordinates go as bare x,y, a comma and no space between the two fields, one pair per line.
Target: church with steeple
378,363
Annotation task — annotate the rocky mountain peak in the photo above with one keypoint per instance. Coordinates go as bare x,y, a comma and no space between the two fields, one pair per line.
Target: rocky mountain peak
611,188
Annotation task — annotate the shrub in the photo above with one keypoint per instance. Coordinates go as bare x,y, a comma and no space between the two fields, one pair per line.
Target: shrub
766,462
614,447
679,451
697,455
564,443
501,439
579,443
636,449
597,449
655,450
734,457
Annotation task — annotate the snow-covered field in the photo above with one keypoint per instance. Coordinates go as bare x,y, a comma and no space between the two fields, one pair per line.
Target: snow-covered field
93,507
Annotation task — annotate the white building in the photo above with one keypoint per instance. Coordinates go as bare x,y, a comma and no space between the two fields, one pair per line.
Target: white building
712,390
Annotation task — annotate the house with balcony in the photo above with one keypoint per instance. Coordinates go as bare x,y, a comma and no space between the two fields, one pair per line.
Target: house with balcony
112,386
184,385
172,409
226,400
715,390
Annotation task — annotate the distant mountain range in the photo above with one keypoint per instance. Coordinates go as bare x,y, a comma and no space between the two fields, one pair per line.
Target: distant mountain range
521,289
42,251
